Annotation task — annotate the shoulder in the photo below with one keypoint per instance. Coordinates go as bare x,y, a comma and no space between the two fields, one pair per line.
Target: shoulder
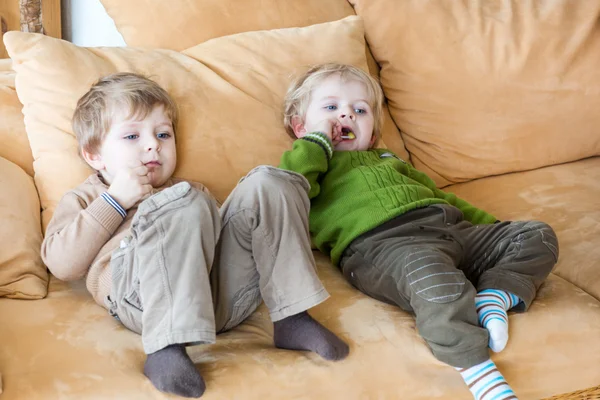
88,190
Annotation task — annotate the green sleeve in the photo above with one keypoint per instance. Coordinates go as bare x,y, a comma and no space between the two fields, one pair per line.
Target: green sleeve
472,214
310,157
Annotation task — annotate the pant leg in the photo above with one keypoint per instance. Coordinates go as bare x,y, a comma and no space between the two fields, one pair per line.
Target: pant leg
411,262
265,250
161,286
512,256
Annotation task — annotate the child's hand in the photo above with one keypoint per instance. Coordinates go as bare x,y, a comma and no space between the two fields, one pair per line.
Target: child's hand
130,185
330,127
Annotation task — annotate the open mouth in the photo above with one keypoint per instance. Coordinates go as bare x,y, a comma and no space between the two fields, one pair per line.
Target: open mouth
347,134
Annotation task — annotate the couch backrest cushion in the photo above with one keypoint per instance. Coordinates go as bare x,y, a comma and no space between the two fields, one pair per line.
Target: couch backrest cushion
179,24
22,273
482,88
14,144
229,91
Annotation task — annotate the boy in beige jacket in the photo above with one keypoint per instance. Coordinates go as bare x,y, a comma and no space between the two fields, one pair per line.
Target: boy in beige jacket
159,254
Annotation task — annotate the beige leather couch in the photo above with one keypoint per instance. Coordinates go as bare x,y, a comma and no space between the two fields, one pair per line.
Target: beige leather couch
497,101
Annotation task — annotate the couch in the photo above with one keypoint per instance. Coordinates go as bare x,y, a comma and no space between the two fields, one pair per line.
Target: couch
497,101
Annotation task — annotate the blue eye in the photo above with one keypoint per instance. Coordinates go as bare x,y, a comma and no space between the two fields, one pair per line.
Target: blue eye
164,135
331,107
131,137
360,111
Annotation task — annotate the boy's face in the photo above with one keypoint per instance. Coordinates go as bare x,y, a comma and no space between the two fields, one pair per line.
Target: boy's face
345,101
130,142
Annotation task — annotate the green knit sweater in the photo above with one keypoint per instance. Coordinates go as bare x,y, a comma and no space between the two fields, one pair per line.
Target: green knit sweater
353,192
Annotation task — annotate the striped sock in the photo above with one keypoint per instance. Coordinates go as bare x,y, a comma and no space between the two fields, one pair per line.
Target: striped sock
492,305
486,382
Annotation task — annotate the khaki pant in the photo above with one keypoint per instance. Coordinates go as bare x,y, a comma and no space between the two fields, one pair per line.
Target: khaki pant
431,262
174,281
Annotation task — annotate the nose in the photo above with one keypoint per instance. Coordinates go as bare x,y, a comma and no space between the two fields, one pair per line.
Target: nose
152,143
347,112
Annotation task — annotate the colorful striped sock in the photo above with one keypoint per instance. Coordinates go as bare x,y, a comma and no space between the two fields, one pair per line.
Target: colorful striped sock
492,305
486,382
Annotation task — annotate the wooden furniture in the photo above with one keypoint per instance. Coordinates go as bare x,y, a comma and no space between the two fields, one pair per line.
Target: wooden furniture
40,16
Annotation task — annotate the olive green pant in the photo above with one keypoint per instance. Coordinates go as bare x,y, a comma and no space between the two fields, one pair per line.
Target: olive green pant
432,262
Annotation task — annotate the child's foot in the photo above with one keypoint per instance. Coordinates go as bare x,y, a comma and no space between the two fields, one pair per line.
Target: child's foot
172,371
492,305
302,332
486,383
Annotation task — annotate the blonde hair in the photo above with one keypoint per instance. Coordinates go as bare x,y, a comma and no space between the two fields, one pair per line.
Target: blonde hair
97,108
298,95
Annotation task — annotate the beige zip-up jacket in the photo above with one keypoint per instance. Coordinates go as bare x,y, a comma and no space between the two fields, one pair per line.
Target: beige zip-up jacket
83,233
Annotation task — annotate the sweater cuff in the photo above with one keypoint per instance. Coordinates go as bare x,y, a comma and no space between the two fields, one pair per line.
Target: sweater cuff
105,214
110,200
322,140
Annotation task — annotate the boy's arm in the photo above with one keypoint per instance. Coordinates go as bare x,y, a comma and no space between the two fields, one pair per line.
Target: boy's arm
310,157
76,234
471,213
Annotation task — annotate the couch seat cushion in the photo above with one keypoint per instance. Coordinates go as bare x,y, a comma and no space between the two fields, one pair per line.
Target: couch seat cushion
67,347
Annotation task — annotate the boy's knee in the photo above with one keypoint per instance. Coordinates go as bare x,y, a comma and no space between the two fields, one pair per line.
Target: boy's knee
274,180
432,276
268,182
547,236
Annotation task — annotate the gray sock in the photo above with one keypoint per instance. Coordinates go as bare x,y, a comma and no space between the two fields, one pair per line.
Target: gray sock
302,332
172,371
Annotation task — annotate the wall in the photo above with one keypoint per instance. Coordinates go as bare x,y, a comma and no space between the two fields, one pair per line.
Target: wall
85,23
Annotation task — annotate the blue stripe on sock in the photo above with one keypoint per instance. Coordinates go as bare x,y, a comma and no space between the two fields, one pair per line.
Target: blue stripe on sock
486,312
487,385
503,394
515,299
489,301
499,319
481,370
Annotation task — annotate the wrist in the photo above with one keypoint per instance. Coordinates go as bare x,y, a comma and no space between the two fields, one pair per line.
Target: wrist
110,199
322,140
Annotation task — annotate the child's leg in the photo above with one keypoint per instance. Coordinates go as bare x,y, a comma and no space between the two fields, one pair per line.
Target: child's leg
486,383
411,262
264,251
509,261
161,286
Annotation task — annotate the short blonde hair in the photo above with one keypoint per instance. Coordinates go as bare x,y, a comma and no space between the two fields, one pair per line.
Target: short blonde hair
97,108
298,95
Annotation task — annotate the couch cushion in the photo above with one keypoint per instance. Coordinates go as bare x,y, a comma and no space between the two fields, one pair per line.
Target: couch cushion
87,354
179,24
481,88
15,146
565,196
22,273
229,91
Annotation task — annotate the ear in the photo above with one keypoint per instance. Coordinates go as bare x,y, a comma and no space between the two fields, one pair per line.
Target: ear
93,159
298,126
373,140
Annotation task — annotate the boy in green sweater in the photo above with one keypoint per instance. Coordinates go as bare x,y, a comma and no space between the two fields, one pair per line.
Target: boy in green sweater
399,239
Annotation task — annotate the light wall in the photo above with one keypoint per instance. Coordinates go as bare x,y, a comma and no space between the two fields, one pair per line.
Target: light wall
85,23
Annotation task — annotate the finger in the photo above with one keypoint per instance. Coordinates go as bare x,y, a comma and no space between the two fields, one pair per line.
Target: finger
140,170
134,164
143,179
146,188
